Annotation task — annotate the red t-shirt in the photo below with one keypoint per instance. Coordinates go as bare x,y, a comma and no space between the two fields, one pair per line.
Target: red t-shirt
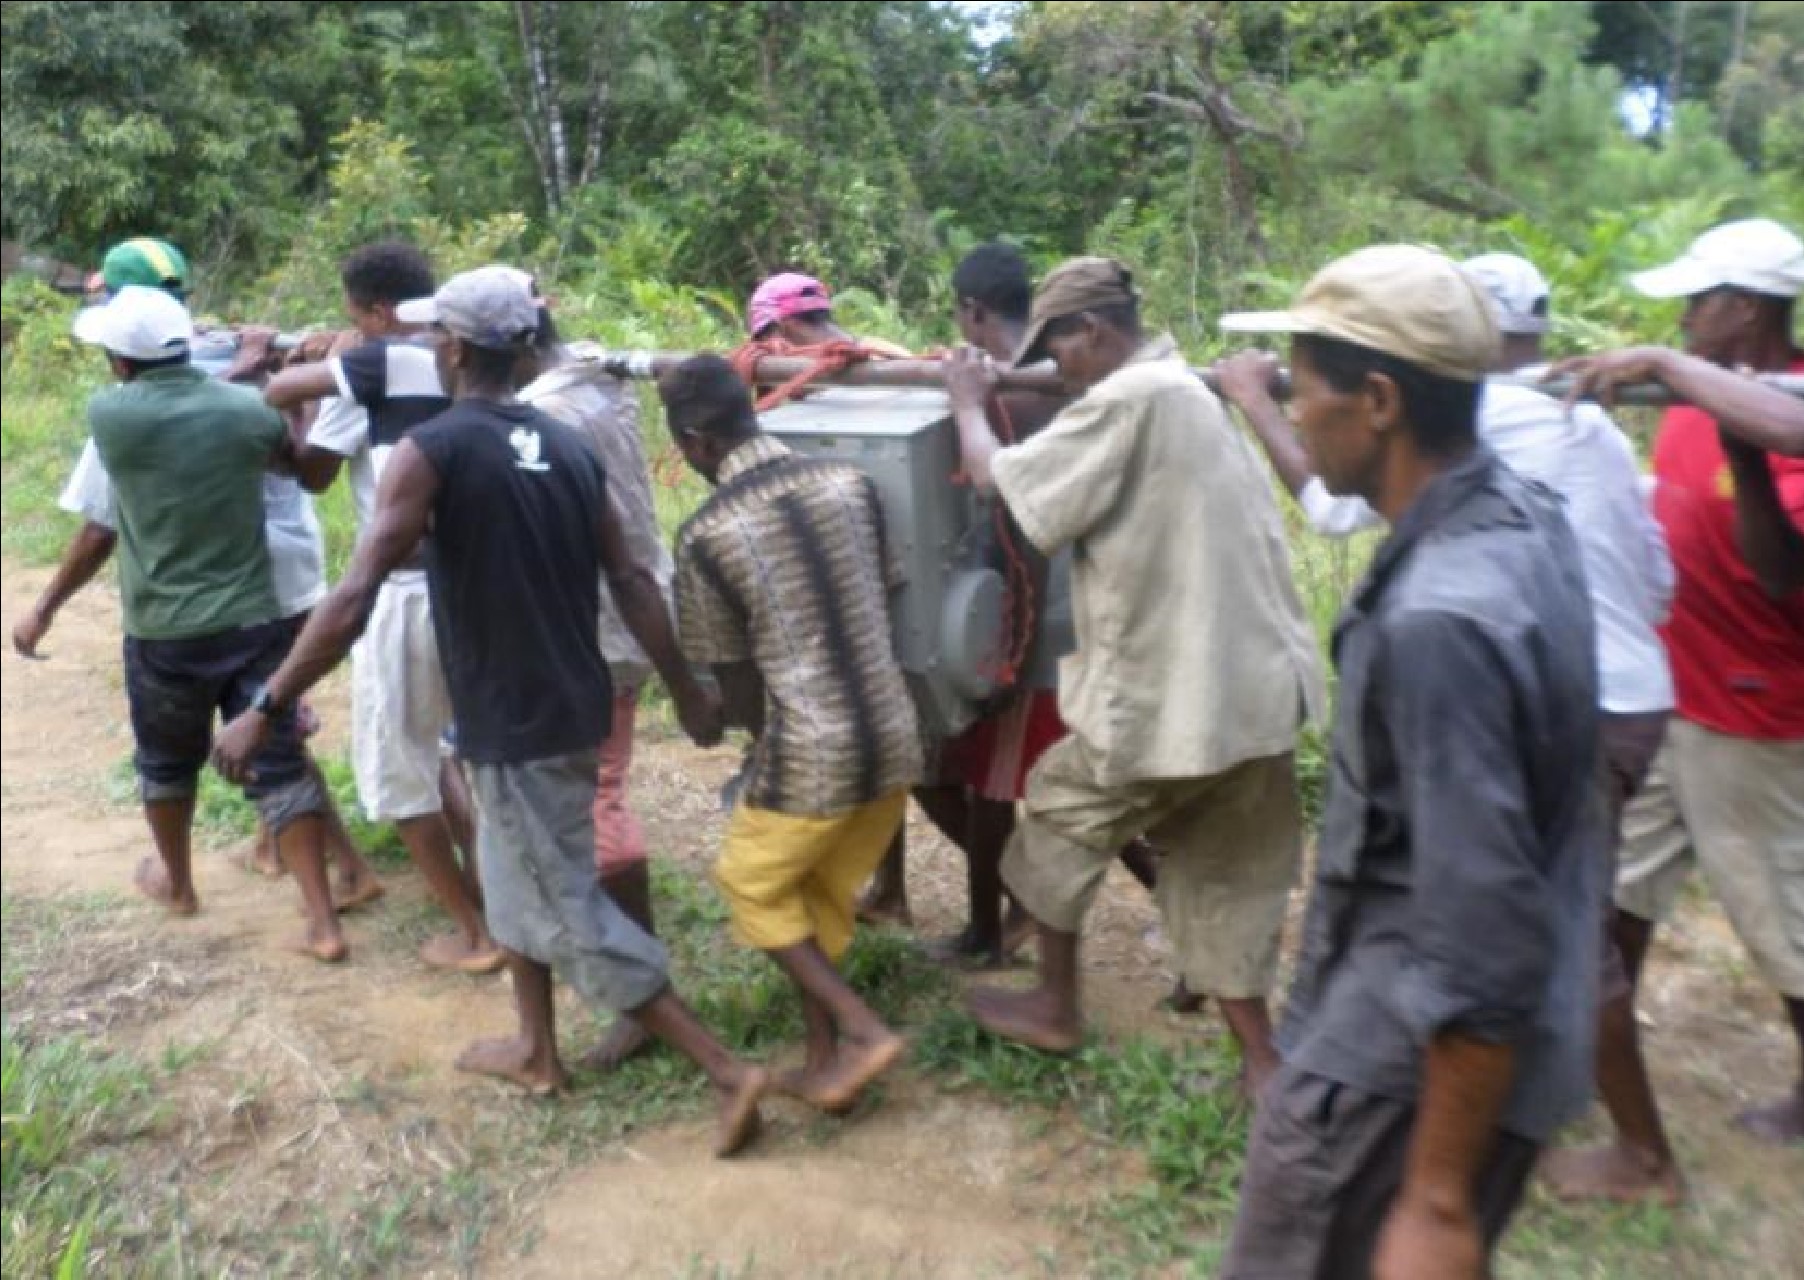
1737,654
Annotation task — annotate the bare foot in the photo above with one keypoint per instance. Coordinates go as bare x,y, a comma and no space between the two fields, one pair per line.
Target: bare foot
1615,1173
152,880
453,951
259,858
739,1118
359,891
625,1041
1027,1017
806,1084
326,950
511,1059
1780,1123
854,1065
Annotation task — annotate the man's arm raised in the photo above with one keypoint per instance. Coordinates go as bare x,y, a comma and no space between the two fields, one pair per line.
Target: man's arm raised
1758,415
290,391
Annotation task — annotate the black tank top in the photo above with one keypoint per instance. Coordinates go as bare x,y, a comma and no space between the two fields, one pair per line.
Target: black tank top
514,564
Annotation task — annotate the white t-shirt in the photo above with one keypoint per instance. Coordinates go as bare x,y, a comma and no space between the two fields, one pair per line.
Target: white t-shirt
297,558
343,427
1585,458
385,389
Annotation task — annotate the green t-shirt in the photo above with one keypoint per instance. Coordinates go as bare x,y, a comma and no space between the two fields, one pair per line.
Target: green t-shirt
186,456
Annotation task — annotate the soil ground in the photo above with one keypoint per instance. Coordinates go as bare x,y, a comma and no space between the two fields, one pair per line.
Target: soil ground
315,1120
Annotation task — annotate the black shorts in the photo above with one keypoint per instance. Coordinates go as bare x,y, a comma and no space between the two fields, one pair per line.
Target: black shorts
176,687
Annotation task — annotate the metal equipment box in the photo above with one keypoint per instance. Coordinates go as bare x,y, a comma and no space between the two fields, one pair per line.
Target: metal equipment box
948,619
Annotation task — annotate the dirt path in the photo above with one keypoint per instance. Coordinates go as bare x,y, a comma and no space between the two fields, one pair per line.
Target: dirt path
333,1086
315,1097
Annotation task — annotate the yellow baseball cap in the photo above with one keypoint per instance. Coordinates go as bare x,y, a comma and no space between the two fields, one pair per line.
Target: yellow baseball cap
1402,299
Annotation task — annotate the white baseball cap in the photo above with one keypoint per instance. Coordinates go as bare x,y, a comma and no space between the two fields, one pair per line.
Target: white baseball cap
491,307
138,323
1517,289
1756,254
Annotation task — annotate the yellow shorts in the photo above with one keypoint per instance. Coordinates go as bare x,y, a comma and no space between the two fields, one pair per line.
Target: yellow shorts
788,879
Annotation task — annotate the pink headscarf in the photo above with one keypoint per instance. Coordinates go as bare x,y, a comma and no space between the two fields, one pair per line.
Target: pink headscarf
782,296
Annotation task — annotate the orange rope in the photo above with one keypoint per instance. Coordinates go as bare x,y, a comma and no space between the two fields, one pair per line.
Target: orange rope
1018,602
827,357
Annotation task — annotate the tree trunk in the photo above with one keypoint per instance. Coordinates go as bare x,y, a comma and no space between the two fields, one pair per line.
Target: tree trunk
554,103
1675,81
1738,48
595,114
544,121
1240,192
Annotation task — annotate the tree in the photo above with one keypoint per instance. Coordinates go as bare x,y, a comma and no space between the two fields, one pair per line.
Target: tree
1676,49
201,122
1505,118
571,64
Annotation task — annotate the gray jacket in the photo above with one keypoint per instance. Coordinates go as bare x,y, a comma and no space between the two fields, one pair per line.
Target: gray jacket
1461,866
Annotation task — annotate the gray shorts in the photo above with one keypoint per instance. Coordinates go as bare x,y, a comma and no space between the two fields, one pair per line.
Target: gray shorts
1324,1165
535,843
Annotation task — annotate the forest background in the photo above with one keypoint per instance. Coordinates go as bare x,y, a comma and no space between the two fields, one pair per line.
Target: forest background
653,160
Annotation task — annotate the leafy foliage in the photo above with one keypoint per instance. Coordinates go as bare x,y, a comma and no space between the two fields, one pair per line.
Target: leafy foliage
1225,149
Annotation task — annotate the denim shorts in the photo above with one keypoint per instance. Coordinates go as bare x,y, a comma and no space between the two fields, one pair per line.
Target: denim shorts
176,687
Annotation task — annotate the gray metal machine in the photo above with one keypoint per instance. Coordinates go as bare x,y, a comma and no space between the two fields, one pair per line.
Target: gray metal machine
949,618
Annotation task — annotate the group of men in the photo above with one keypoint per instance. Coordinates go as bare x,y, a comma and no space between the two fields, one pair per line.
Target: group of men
1511,688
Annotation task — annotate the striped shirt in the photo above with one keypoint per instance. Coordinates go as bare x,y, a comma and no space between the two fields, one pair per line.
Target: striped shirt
785,566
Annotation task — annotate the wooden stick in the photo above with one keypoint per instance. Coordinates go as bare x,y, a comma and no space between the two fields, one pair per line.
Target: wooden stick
774,370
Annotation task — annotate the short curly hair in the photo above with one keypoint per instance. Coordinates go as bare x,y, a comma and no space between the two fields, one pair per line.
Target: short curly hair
391,271
705,396
996,275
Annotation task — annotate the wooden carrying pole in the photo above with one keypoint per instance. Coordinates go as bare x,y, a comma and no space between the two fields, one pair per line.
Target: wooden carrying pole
776,370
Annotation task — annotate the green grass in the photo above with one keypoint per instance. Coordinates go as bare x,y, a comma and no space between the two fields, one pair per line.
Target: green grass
1173,1110
1175,1107
72,1113
92,1181
740,996
40,438
32,931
